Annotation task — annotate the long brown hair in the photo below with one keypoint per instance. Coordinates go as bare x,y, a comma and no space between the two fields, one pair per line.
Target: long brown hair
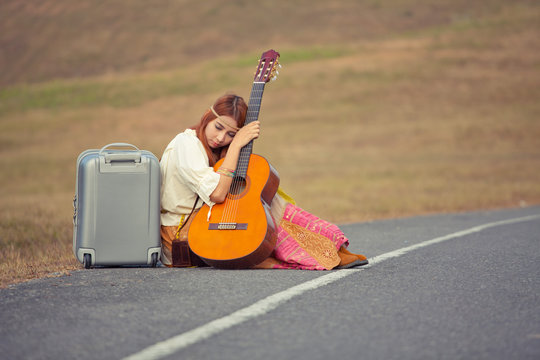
227,105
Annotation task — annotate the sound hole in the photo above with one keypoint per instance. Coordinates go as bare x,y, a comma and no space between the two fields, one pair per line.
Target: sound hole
238,186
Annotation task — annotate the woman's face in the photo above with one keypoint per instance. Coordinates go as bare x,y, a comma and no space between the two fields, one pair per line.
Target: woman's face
220,131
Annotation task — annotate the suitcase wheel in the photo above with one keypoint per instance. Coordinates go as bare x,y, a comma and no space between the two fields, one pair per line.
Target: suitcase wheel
154,259
87,261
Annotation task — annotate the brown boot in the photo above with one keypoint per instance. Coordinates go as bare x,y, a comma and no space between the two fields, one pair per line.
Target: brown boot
349,260
359,256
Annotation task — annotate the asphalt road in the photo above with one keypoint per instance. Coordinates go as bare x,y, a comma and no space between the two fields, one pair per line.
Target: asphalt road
473,292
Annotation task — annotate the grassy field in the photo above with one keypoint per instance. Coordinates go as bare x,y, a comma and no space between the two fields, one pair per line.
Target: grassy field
382,109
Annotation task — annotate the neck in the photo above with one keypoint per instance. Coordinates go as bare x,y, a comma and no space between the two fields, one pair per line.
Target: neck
254,107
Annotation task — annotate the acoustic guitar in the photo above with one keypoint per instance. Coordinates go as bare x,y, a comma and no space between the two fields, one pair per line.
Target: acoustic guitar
241,232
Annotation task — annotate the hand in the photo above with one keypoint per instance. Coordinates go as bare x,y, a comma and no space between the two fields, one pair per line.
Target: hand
246,134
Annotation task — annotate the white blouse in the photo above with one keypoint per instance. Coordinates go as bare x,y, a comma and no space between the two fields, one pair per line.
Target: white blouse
185,173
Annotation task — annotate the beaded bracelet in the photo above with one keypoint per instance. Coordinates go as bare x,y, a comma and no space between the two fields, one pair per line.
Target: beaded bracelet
226,172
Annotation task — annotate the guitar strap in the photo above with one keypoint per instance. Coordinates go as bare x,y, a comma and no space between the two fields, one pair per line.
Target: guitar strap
185,219
182,256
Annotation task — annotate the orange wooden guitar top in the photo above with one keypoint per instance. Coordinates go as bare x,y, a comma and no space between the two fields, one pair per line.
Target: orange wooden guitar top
252,234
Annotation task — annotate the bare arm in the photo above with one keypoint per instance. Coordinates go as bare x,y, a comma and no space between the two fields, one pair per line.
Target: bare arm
242,138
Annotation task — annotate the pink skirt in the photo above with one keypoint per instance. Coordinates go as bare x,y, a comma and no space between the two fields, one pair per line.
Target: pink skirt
307,242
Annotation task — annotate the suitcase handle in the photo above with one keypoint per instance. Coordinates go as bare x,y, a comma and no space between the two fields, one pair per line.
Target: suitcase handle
131,155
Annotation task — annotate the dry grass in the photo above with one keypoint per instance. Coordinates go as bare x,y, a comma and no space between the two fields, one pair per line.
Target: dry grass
62,38
440,119
34,243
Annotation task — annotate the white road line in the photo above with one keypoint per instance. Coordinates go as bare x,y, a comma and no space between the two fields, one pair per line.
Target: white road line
261,307
402,251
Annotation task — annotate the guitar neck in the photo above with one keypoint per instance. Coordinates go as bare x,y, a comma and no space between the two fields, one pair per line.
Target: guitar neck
254,106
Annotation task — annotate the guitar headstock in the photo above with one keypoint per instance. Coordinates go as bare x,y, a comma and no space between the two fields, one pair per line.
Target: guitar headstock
267,68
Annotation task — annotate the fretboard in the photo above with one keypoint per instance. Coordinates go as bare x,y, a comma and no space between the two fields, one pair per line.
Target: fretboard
254,107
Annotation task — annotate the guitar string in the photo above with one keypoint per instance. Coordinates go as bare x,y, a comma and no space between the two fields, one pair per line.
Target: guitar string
229,212
231,208
256,100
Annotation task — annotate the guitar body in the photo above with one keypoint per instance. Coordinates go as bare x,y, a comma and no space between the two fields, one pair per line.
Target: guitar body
241,232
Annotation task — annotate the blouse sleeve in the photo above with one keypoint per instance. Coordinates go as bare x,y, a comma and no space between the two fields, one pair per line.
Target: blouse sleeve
192,164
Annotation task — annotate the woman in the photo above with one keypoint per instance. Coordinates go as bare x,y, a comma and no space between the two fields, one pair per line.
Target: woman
304,241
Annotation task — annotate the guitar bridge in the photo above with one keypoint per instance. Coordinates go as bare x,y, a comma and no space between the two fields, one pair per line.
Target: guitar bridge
227,226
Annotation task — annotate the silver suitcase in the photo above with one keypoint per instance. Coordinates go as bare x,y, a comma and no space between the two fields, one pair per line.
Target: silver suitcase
116,207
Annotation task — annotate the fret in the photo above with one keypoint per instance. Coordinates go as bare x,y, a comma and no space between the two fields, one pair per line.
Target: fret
265,72
254,107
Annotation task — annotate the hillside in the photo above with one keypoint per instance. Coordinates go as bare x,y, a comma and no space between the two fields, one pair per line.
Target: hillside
49,39
383,109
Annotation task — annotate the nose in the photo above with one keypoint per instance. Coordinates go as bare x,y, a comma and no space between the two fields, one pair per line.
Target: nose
221,136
